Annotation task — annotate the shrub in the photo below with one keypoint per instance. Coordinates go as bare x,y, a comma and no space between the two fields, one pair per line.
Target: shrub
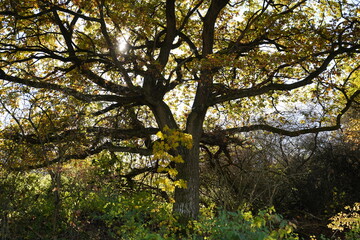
244,225
349,221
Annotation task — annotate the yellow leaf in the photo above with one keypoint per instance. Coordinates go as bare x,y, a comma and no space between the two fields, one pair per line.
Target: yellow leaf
160,135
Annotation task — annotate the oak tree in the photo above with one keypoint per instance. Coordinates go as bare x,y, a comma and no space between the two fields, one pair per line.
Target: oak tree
80,77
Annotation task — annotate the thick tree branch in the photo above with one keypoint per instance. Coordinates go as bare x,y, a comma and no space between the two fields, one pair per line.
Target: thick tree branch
84,155
106,84
189,14
99,132
107,109
209,25
233,94
170,33
218,138
67,91
122,133
196,117
115,148
47,11
61,159
17,16
65,33
295,133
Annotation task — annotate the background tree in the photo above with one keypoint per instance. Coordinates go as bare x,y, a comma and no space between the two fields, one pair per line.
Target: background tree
210,69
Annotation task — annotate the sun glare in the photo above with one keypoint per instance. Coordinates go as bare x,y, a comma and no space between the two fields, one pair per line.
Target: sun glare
123,42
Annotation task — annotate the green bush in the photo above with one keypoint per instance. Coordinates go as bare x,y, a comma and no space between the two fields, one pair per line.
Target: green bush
244,225
98,210
25,198
141,216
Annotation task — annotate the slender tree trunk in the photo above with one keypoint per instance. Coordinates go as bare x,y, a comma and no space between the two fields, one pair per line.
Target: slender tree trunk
56,186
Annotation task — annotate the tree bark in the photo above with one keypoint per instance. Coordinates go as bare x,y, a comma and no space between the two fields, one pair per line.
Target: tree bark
55,188
186,205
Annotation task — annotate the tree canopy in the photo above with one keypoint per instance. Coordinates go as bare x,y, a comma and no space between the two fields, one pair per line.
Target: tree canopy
166,79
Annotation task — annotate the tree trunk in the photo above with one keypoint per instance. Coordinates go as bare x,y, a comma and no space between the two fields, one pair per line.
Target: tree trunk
186,204
55,188
187,200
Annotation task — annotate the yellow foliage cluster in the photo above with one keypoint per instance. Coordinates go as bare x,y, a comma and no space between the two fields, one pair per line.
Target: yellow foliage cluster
173,138
167,185
350,220
353,131
170,140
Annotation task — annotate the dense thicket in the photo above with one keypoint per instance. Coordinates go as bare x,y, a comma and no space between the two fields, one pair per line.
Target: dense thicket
89,200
